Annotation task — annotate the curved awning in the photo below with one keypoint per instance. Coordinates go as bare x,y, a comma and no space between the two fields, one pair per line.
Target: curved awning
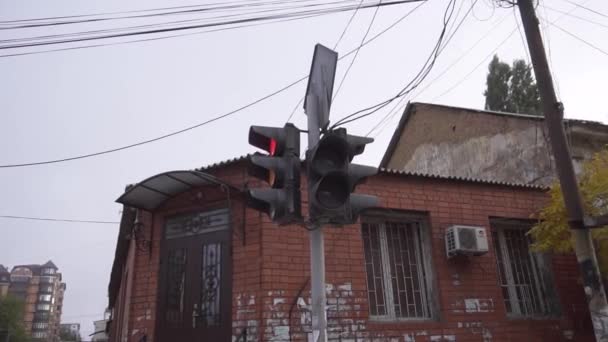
150,193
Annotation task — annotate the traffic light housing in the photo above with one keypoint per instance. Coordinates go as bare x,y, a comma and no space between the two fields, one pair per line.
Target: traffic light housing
280,168
332,178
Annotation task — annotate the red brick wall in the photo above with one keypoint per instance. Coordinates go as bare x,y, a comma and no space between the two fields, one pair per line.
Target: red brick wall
271,292
142,292
286,269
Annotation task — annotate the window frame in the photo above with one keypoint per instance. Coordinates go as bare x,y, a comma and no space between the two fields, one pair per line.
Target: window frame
424,247
42,298
46,307
47,271
541,269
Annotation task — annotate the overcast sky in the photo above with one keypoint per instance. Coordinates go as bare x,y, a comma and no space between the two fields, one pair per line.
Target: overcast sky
61,104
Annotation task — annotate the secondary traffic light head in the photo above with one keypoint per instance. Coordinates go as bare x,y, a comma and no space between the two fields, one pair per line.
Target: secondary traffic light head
332,178
280,169
275,140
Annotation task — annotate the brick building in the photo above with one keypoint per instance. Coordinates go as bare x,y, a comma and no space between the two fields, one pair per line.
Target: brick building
193,263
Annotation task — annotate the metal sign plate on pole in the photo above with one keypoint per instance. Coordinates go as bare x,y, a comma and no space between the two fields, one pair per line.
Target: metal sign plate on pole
321,83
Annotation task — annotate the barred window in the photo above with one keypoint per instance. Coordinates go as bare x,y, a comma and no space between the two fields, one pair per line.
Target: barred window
399,277
525,277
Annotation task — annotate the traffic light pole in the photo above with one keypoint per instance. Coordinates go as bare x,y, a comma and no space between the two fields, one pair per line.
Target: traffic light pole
553,112
317,246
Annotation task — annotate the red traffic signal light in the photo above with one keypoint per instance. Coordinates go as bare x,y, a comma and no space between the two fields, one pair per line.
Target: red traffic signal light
280,168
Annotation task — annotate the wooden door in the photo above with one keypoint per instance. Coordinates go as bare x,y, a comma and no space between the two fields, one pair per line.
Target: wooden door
195,285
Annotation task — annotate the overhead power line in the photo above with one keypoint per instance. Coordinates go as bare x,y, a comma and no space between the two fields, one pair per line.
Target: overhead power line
217,20
153,29
415,81
576,17
158,38
579,39
587,8
89,15
167,11
219,117
352,61
350,20
461,57
381,124
56,219
398,21
476,66
488,56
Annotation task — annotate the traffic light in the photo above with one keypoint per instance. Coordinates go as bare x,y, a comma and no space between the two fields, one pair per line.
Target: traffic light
332,178
280,169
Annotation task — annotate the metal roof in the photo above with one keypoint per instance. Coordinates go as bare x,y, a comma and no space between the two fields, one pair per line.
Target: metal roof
402,173
150,193
461,179
224,162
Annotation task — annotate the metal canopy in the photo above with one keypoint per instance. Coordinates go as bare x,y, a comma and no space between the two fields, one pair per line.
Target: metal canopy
154,191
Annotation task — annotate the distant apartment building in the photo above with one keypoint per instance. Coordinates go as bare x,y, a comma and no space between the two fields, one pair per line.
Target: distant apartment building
71,329
41,289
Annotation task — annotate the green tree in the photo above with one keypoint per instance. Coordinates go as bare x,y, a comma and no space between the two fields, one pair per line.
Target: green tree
552,232
511,88
497,85
11,318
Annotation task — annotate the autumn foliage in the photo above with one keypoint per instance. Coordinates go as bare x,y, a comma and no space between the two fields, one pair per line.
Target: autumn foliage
552,233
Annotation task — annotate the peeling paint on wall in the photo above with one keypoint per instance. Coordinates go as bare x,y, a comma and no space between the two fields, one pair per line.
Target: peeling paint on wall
503,157
245,322
340,300
442,338
486,334
478,305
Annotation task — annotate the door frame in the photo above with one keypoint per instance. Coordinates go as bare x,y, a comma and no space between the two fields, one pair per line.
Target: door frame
227,272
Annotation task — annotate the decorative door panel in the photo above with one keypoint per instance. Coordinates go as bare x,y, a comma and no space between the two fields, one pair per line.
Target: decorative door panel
195,292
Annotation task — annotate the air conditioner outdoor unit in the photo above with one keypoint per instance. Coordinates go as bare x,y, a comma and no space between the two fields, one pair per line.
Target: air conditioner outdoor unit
466,240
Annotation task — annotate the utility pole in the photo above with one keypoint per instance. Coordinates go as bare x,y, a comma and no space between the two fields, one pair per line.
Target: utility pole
318,101
331,177
553,112
317,246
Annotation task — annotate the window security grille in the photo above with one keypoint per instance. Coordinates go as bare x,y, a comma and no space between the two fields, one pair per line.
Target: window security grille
398,274
523,274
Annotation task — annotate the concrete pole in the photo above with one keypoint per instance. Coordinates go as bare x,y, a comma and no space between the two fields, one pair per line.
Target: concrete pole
553,111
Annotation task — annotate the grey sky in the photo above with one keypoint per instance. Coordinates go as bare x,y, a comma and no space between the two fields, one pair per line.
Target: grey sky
61,104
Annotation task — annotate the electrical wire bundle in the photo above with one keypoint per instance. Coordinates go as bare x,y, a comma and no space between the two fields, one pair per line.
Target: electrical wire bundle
156,22
418,78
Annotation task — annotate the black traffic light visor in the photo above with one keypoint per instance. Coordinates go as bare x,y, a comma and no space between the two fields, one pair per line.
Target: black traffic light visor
260,137
333,190
330,154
